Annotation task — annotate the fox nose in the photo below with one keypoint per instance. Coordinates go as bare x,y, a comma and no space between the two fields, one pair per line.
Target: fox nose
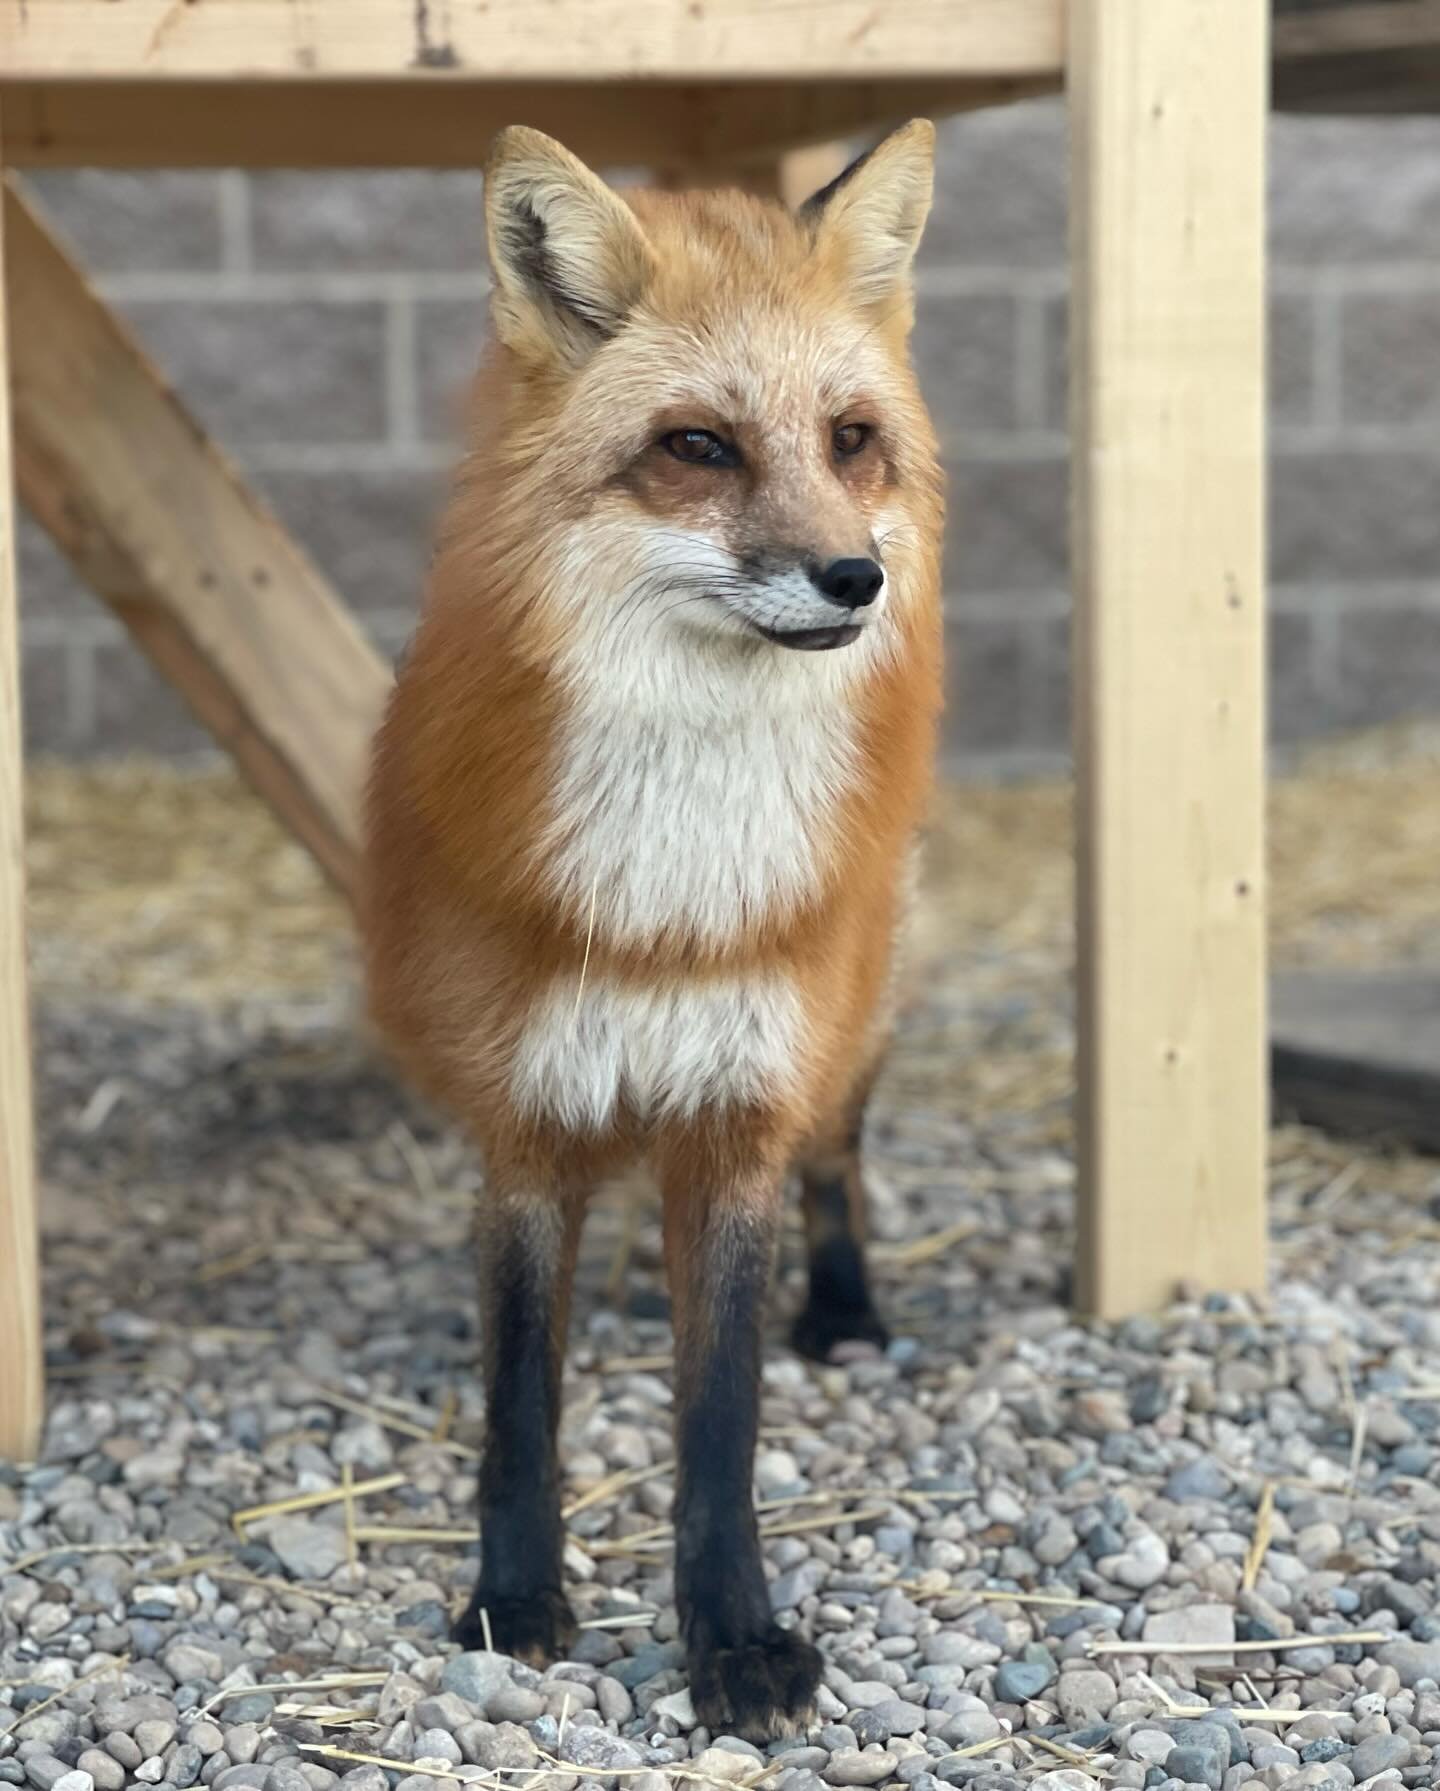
851,583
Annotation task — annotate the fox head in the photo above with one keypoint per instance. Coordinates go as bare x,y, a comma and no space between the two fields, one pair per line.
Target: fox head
703,418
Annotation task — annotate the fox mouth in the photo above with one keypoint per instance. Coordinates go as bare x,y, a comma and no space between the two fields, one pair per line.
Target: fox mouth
812,640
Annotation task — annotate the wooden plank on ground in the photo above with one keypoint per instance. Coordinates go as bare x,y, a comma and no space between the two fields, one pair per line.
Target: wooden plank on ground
596,40
1339,28
1168,118
450,124
161,527
21,1396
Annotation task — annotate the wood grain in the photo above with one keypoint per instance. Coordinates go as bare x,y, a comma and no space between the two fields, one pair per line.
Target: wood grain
21,1392
1168,118
161,527
596,40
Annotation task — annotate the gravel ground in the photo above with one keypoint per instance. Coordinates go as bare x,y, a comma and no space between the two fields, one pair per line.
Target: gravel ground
1034,1552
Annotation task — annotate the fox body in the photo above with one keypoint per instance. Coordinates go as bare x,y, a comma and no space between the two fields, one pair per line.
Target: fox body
643,809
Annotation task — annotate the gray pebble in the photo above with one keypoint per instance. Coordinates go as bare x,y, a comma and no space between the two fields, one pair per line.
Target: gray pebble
1199,1480
594,1747
1018,1681
308,1548
106,1771
250,1707
1379,1753
855,1766
183,1766
437,1744
443,1711
44,1771
475,1676
514,1704
615,1703
1196,1766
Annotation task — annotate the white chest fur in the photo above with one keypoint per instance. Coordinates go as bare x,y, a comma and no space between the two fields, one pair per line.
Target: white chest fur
665,1053
697,819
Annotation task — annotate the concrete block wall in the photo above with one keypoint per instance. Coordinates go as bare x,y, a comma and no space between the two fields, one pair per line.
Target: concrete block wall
324,325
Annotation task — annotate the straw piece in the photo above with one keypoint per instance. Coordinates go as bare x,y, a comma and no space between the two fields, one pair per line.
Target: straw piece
386,1534
1284,1643
995,1595
661,1536
612,1484
1069,1755
936,1243
82,1548
413,1153
1260,1540
328,1682
348,1490
284,1588
977,1748
449,1409
110,1666
191,1564
1262,1715
620,1620
425,1433
433,1769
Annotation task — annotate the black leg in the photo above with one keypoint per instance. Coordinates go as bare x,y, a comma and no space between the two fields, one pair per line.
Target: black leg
839,1308
527,1259
747,1674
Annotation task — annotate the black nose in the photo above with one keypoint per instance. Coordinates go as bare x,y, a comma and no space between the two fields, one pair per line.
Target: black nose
850,583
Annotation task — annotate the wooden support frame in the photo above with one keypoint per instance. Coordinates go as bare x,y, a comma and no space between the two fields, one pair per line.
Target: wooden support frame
162,528
21,1395
597,40
1168,109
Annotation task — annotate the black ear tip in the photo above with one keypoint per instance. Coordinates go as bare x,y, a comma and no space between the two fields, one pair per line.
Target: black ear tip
816,203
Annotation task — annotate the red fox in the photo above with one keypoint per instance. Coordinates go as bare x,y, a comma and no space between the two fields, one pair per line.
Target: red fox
643,809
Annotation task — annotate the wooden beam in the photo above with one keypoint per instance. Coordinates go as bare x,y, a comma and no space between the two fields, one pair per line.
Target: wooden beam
791,178
594,40
1168,108
152,517
21,1393
450,124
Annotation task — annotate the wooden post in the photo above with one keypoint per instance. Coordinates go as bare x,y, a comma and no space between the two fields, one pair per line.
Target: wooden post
1168,107
21,1394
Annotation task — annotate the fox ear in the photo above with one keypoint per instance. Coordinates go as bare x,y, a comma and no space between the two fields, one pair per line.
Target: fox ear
568,255
876,208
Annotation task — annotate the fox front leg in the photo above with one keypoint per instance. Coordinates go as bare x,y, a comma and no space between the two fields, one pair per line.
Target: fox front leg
527,1252
746,1673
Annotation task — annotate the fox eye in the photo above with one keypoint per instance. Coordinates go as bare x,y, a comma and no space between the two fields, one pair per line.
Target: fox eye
850,438
700,446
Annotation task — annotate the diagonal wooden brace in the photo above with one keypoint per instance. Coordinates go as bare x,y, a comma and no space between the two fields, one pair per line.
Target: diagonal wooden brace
160,526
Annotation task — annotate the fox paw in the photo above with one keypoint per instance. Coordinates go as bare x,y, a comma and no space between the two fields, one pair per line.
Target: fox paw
537,1628
819,1330
759,1691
